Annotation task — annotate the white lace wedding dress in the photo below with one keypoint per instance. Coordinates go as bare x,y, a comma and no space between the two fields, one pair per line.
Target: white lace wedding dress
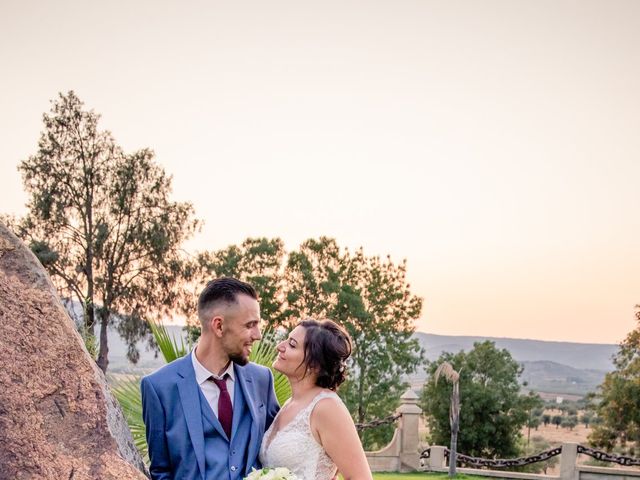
295,448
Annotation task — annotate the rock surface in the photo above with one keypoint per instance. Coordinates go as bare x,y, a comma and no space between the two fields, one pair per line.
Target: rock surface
58,419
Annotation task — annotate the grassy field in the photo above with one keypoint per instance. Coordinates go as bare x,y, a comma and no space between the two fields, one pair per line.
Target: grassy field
422,476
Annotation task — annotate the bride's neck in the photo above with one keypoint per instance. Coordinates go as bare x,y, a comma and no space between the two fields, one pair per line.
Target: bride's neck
303,387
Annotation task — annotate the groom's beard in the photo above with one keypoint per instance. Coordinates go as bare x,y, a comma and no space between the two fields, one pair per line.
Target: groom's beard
239,358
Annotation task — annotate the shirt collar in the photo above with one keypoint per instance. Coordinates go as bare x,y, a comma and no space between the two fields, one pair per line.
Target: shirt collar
202,374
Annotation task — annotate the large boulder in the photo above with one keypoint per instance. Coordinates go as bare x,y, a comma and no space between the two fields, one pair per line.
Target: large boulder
58,419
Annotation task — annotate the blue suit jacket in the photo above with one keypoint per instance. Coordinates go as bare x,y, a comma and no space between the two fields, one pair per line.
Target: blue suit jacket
174,425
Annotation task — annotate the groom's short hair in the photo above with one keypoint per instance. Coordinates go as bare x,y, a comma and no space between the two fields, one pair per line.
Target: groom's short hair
222,290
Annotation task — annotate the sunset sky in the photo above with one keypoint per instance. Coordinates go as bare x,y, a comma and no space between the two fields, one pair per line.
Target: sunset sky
493,144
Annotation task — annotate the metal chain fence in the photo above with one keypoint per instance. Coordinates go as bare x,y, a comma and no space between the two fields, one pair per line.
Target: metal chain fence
608,457
540,457
498,462
378,422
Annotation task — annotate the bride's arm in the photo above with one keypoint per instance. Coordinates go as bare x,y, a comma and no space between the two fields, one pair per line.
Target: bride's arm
333,427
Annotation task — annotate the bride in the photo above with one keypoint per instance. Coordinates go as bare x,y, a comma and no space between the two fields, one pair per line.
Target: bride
313,435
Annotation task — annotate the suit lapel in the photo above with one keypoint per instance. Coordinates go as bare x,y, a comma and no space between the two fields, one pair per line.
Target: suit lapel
246,384
190,399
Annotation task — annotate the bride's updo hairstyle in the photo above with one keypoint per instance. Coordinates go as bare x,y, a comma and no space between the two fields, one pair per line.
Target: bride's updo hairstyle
327,346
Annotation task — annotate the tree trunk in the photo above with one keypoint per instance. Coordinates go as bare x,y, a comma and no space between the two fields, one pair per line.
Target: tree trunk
361,380
103,356
89,312
453,452
360,410
88,266
454,419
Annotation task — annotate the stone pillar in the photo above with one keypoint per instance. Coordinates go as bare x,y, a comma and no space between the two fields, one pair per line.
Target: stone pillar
436,458
568,460
409,437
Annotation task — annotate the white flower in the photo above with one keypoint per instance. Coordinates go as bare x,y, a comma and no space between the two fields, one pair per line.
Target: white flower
279,473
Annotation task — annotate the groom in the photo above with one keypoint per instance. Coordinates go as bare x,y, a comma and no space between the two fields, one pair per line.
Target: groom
206,413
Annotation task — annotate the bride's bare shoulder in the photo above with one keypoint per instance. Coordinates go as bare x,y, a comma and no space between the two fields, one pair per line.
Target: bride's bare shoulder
329,409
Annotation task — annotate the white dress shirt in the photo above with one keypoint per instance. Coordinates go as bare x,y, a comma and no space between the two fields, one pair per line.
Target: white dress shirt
209,389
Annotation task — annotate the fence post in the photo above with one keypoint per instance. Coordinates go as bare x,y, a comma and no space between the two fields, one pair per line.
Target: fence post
410,438
436,458
568,460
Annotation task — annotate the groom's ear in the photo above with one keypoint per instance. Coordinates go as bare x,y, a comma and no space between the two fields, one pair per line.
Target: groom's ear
216,325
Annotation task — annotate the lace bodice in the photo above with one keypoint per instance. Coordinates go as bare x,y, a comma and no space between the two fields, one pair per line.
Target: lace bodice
295,447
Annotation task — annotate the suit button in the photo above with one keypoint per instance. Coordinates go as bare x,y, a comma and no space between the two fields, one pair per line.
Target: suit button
233,453
233,468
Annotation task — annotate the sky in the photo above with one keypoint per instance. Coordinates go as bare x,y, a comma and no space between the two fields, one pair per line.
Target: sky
493,144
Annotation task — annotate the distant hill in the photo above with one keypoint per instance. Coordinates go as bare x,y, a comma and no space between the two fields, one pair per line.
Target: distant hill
551,367
552,377
590,356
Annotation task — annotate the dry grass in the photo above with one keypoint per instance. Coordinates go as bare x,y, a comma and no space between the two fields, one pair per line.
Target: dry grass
558,435
552,434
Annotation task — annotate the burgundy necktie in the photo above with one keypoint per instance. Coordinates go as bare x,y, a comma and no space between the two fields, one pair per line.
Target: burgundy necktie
225,409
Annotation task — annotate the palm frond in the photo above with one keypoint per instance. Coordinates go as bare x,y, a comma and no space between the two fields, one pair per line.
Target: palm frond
446,370
127,392
170,347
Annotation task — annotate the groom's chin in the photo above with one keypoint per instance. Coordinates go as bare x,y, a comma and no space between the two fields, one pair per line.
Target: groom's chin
241,360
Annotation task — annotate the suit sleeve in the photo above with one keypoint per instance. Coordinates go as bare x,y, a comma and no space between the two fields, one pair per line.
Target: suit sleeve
272,402
154,421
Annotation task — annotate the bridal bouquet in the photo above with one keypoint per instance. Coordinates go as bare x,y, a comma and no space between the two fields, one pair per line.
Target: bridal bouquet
279,473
